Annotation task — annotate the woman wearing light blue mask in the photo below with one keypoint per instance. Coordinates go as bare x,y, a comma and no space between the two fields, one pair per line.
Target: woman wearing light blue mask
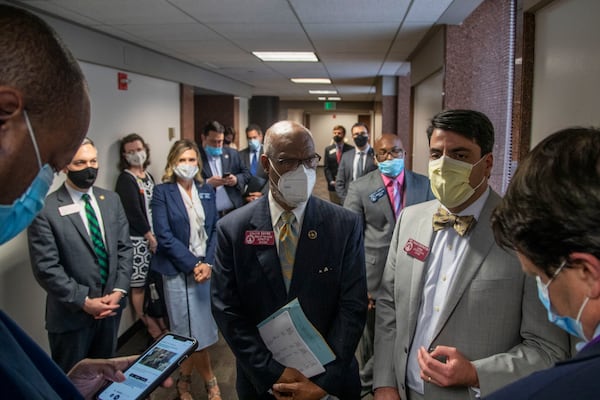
550,216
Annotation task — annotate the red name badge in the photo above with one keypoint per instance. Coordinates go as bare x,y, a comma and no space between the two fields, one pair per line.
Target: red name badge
259,238
416,249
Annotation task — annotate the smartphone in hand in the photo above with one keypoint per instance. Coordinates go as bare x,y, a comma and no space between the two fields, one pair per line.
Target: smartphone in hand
151,368
226,174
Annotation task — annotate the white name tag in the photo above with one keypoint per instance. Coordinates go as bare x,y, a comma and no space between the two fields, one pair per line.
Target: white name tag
69,209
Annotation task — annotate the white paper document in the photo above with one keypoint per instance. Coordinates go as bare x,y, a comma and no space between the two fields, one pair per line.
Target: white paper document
294,341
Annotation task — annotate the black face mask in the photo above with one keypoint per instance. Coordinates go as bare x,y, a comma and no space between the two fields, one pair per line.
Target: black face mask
361,140
83,179
337,139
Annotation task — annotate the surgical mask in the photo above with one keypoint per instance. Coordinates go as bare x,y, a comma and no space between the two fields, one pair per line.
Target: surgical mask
136,159
572,326
296,186
214,151
17,216
337,139
450,180
361,140
391,168
254,144
83,179
186,171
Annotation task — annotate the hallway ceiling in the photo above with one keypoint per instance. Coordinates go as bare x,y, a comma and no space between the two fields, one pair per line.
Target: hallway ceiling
356,41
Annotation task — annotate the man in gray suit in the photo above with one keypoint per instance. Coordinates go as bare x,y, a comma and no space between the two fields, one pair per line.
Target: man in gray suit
378,197
455,316
81,255
356,162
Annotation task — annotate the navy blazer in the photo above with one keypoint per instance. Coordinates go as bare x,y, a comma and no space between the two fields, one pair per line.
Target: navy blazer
328,280
230,162
172,229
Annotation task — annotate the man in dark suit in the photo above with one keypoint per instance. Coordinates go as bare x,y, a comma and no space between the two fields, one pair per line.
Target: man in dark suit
331,160
549,216
81,255
252,277
222,169
378,197
356,162
258,183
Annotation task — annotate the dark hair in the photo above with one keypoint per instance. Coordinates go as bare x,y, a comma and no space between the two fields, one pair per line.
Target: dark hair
35,60
552,205
468,123
254,127
341,128
229,130
360,124
132,137
213,126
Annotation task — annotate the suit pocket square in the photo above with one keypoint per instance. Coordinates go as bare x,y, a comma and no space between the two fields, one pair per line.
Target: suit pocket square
323,270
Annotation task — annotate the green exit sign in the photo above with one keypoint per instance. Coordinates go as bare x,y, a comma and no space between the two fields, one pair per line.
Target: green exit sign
330,105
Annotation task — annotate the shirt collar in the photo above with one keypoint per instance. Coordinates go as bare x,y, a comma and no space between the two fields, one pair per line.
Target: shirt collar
277,210
76,194
399,179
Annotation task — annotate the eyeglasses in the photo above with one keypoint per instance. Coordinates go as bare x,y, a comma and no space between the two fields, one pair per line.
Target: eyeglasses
293,163
396,152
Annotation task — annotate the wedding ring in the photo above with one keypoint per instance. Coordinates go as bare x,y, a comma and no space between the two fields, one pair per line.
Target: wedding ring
429,379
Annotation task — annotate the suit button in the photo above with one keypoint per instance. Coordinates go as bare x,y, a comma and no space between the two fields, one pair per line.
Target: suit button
402,385
406,350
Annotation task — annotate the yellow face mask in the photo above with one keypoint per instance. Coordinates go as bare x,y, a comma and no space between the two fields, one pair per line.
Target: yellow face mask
449,180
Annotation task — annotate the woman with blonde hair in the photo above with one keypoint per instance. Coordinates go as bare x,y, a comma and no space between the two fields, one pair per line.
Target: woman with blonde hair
185,214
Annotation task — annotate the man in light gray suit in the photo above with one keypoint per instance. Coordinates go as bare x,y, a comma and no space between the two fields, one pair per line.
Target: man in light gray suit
378,197
455,317
81,255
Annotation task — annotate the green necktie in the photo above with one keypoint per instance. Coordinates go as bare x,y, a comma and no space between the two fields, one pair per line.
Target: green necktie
288,239
96,236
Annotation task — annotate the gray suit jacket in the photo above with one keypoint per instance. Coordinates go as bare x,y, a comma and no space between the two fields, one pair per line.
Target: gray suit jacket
492,313
345,173
368,197
64,262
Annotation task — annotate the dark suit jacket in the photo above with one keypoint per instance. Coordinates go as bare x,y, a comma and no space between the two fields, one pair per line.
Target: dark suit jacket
345,173
231,162
172,228
573,379
64,262
368,197
328,280
260,172
330,163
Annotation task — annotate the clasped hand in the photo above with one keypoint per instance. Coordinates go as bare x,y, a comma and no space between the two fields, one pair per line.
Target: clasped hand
102,307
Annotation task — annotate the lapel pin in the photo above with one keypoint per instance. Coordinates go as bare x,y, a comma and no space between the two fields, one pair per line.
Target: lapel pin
101,197
312,234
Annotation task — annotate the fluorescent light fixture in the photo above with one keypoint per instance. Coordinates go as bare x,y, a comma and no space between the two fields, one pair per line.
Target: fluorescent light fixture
322,91
298,56
312,80
322,98
334,98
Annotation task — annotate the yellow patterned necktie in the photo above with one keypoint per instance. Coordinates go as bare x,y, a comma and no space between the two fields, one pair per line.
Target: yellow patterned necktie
288,239
462,224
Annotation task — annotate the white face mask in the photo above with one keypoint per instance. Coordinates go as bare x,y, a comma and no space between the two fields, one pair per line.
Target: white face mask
450,180
296,186
136,159
186,171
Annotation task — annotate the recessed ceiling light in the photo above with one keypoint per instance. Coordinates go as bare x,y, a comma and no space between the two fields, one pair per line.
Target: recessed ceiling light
323,98
298,56
334,98
312,80
322,91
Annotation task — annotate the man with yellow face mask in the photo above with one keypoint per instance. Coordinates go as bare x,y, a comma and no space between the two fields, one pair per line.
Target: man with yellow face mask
455,317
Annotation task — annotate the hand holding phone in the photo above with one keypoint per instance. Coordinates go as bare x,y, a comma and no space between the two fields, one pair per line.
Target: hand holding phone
151,368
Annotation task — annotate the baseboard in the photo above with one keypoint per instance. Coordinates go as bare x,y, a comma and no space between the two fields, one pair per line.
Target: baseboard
130,332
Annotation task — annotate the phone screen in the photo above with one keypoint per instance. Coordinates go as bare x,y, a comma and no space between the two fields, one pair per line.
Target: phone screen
154,366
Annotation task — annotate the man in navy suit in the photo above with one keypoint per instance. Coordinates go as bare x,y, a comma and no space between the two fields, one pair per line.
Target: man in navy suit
327,278
332,158
222,169
550,217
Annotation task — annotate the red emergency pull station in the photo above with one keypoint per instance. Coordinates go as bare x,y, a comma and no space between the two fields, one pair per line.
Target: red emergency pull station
122,81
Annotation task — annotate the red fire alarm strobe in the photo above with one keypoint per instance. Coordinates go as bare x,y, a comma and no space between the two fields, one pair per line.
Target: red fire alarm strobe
122,81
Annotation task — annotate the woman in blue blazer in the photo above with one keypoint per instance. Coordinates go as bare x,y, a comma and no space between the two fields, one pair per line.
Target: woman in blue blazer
184,216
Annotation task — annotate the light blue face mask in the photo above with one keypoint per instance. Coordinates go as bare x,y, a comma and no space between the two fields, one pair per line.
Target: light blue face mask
572,326
17,216
214,151
253,144
391,168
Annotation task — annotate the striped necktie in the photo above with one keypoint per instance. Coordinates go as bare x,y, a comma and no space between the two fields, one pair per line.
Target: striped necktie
359,165
96,236
288,239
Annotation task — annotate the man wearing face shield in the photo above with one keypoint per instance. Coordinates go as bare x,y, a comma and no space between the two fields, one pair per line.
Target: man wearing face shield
550,217
41,127
253,277
455,317
81,255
